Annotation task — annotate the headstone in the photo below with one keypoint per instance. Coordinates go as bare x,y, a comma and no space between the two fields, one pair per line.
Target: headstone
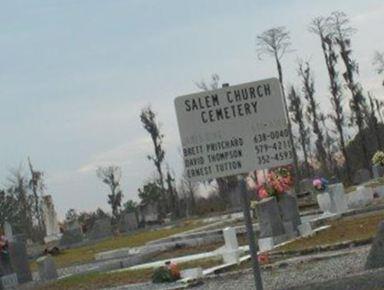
289,211
130,222
375,257
149,212
50,220
8,281
324,201
268,215
194,273
306,186
19,258
71,237
8,232
231,252
305,229
379,190
377,171
361,176
338,199
5,260
47,268
101,229
361,197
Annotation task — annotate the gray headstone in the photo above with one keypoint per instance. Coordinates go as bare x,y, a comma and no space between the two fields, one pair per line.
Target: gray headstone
47,268
19,259
130,222
306,185
361,176
101,229
338,198
5,263
375,257
324,201
8,281
377,171
71,237
289,211
268,215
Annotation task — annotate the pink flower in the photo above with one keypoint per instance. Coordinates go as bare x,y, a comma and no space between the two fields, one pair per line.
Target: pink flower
263,193
317,182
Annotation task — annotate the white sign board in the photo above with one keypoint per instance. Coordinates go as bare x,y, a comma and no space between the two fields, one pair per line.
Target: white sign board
233,130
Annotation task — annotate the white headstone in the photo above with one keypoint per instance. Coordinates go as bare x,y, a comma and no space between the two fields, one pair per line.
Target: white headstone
230,238
305,229
193,273
231,253
8,232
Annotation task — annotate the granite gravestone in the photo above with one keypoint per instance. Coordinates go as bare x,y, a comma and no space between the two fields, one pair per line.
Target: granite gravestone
72,235
268,216
101,229
130,222
19,258
377,171
289,213
5,260
361,176
47,268
361,197
306,186
375,257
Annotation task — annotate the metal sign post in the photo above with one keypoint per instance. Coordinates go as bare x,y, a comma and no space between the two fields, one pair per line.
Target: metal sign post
250,235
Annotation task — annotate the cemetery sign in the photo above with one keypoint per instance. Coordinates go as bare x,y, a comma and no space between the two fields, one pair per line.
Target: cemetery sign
233,130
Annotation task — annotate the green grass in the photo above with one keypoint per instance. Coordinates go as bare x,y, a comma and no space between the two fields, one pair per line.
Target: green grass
345,229
86,254
103,280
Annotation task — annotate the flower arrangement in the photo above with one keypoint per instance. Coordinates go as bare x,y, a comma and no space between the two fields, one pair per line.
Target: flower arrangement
279,182
378,158
320,184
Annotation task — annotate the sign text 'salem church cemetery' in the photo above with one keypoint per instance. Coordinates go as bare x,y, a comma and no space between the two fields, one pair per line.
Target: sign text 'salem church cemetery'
233,130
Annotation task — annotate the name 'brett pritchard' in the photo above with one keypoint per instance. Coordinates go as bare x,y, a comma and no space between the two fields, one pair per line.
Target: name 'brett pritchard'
241,102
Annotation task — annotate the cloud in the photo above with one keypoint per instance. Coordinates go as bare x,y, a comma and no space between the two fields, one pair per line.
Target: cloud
122,155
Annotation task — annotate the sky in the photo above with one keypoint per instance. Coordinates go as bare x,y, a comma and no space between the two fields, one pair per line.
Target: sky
75,74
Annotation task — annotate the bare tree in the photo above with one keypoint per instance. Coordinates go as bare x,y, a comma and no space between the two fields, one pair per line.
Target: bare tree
111,176
342,32
308,89
276,42
373,123
322,28
296,109
36,184
18,188
172,194
9,208
148,119
229,183
378,60
188,190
